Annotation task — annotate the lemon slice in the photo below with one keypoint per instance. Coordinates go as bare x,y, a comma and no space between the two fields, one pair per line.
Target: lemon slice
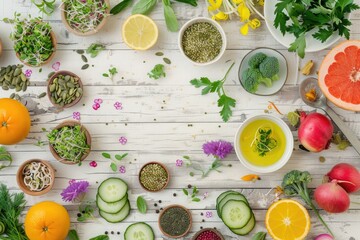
140,32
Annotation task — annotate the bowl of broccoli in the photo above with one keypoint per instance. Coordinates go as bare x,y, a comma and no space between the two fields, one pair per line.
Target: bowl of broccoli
263,71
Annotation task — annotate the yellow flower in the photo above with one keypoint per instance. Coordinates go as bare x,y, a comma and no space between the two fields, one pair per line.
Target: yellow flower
255,23
214,5
244,29
238,1
220,16
261,2
244,12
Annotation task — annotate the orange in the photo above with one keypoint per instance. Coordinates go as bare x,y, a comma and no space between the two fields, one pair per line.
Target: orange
47,221
14,121
339,75
287,220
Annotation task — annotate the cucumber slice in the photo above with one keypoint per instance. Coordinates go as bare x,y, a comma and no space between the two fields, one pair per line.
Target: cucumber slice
236,214
221,196
116,217
139,231
247,229
112,190
111,207
230,196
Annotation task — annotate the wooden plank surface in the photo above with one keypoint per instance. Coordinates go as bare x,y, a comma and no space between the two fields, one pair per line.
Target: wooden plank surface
166,119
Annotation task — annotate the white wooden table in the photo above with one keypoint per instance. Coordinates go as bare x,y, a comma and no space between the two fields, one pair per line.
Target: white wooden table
164,120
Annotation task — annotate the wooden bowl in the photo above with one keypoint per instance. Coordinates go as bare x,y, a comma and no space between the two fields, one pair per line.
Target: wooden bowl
98,27
190,221
71,123
20,178
208,229
54,42
51,81
161,165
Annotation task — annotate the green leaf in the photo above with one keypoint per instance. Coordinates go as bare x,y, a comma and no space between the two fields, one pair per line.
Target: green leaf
105,75
293,118
143,6
195,190
100,237
170,17
196,199
323,34
226,103
259,236
299,45
72,235
185,192
141,204
120,157
190,2
280,22
157,72
204,81
216,86
94,49
119,7
113,167
186,157
106,155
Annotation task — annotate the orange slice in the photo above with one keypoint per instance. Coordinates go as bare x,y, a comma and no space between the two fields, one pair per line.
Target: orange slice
287,220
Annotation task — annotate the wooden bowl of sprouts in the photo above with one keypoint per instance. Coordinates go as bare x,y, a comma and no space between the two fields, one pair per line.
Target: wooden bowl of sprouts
84,18
35,177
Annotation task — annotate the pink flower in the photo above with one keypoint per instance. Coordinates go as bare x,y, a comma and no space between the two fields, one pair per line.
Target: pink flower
122,169
206,194
93,164
75,191
28,73
123,140
208,214
98,100
72,181
118,106
96,106
56,66
179,163
76,116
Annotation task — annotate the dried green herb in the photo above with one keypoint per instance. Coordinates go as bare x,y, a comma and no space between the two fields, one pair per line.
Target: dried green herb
175,221
153,177
141,204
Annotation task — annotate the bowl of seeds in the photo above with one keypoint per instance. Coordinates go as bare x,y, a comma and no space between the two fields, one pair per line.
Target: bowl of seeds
154,176
175,221
202,41
35,177
208,234
64,89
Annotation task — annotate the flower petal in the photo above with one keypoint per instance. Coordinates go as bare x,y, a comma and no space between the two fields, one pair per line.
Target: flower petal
244,29
214,4
255,23
220,16
244,12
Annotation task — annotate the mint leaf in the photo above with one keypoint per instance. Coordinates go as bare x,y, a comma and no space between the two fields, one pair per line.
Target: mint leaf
113,167
185,191
141,204
157,72
226,103
196,199
106,155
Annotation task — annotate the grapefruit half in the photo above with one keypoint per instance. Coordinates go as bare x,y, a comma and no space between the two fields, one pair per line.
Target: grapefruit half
339,75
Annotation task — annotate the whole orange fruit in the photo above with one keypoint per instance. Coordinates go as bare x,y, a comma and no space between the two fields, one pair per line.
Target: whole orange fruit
14,121
47,221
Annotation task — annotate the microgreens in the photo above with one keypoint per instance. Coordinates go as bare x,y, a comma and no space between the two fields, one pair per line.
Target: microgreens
263,141
224,101
5,158
39,143
157,72
86,212
94,49
192,195
44,6
112,72
118,157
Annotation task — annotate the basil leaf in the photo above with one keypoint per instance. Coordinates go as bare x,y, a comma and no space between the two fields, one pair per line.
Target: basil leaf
143,6
141,204
170,17
113,167
119,7
100,237
191,2
72,235
106,155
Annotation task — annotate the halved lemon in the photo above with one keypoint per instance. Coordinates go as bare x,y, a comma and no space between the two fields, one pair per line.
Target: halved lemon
287,220
140,32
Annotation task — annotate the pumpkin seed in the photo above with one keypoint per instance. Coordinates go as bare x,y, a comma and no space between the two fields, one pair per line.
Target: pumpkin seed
18,88
159,54
5,87
12,95
24,87
167,61
52,87
41,95
84,58
17,71
17,97
23,77
85,66
80,51
50,74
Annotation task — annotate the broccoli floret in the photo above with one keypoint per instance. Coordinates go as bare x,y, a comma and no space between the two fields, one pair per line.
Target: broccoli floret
266,81
275,77
256,59
269,67
250,80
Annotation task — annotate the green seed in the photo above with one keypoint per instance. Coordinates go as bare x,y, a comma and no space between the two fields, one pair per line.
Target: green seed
18,88
167,61
84,58
159,54
5,87
23,77
17,97
70,85
50,74
12,95
80,51
52,87
86,66
24,87
17,71
41,95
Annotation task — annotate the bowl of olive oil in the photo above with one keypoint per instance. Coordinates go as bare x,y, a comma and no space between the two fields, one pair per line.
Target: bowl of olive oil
264,143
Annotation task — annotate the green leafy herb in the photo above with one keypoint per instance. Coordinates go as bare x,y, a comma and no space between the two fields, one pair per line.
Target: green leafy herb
263,141
299,17
120,6
143,6
170,17
112,72
11,207
157,72
192,195
94,49
294,118
72,235
5,158
100,237
259,236
86,211
113,164
341,142
44,6
225,102
141,204
39,143
190,2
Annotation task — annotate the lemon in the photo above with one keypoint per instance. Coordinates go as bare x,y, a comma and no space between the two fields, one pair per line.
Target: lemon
140,32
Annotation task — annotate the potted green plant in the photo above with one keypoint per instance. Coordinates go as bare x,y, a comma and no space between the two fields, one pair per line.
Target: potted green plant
84,17
34,40
69,142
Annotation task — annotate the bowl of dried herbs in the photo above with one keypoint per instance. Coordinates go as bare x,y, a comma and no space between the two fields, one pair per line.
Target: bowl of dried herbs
202,41
175,221
154,176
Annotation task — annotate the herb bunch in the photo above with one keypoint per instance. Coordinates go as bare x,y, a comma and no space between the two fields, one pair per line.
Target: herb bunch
11,207
69,142
299,17
32,39
111,73
5,158
118,157
225,102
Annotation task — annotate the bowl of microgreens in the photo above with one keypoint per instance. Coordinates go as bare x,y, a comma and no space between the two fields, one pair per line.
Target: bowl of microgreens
37,34
202,41
84,17
264,143
69,142
64,89
35,177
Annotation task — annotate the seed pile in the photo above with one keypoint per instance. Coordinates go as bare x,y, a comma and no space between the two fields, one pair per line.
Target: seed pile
12,77
202,42
208,235
153,177
64,89
175,221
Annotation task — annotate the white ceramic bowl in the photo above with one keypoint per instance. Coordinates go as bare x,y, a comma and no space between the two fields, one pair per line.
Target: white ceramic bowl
218,27
288,148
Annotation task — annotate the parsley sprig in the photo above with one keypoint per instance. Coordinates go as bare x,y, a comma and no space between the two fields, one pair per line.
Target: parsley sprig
299,17
157,72
225,102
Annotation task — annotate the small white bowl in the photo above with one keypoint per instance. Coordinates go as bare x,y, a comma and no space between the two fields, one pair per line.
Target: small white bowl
197,20
288,148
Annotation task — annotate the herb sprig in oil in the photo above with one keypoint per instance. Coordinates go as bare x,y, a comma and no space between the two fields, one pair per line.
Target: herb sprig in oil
263,141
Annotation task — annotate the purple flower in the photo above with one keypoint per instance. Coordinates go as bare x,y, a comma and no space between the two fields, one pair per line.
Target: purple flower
118,106
122,169
76,116
75,191
56,66
123,140
208,214
93,164
96,106
179,163
219,149
28,73
206,194
98,101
